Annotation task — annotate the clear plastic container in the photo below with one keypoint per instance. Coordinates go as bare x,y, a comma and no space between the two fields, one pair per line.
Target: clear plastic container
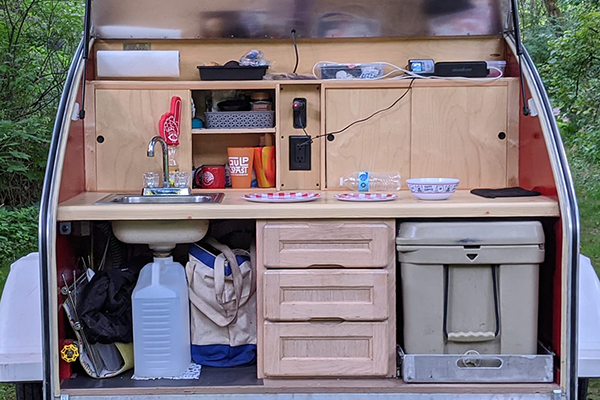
161,324
350,71
500,67
365,181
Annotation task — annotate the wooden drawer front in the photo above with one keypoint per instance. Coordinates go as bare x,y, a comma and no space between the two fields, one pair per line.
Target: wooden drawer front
326,349
350,244
301,295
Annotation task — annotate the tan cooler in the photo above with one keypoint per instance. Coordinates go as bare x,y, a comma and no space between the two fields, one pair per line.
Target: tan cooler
470,286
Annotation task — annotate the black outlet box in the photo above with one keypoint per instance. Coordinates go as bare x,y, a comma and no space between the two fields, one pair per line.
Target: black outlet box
299,107
300,148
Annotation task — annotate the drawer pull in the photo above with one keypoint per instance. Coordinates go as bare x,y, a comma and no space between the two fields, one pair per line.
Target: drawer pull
316,266
326,320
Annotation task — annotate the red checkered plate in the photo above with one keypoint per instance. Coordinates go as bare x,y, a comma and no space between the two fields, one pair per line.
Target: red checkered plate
365,197
281,197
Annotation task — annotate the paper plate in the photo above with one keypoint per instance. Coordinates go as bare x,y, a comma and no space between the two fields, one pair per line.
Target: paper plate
281,197
365,196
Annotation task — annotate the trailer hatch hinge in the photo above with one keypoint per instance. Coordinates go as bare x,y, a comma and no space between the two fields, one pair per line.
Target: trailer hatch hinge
519,45
87,25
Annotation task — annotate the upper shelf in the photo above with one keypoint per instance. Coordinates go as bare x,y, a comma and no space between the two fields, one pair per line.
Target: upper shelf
462,205
266,84
232,131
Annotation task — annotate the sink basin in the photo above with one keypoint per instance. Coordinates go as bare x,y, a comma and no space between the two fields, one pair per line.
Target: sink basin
137,199
160,235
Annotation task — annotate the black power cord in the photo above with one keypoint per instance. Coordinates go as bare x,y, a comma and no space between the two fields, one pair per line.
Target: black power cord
331,135
295,49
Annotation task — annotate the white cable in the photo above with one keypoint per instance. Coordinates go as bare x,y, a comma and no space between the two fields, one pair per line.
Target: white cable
409,74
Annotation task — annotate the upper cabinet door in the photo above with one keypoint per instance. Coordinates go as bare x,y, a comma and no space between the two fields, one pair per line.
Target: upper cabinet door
457,133
381,144
126,120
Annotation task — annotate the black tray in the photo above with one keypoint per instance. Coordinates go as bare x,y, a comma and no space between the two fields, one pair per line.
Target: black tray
234,73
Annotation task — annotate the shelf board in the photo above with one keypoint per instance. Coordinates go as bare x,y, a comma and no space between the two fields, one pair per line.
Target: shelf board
232,131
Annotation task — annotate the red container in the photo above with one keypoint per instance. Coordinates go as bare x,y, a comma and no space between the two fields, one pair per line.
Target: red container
212,176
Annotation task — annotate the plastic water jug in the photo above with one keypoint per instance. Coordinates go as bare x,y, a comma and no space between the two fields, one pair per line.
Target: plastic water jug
161,322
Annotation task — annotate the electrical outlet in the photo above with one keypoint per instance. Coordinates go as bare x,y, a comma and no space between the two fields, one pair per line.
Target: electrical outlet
300,148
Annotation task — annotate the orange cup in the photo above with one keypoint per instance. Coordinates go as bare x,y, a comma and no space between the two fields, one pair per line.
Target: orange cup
240,166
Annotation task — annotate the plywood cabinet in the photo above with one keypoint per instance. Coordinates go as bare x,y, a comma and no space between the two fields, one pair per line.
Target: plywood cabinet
126,120
381,144
300,295
333,243
333,320
457,133
438,129
326,349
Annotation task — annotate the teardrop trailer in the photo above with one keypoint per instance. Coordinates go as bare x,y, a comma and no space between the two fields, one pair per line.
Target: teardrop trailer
469,297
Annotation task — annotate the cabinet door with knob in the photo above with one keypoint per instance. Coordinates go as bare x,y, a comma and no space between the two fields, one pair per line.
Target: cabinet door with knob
462,132
126,120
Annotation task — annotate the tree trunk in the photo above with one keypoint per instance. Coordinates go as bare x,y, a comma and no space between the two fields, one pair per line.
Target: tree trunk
552,8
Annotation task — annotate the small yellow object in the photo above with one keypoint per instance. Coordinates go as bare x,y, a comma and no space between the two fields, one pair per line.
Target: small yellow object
69,353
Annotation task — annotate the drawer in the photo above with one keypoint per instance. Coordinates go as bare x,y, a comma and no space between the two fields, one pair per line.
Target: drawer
303,295
334,243
326,349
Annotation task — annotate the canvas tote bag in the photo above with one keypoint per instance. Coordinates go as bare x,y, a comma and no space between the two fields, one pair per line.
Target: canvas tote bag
222,305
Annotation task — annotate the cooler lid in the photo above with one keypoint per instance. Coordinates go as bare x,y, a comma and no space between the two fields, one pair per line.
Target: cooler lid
470,233
274,19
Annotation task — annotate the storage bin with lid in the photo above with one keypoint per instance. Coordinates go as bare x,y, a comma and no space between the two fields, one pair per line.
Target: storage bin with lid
470,286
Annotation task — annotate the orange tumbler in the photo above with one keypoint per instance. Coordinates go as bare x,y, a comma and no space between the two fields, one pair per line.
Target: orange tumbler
240,166
264,166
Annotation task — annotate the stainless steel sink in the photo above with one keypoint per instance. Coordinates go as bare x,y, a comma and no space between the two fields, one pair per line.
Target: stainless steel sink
137,199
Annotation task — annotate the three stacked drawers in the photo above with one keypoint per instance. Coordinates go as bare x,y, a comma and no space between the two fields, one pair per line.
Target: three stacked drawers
327,302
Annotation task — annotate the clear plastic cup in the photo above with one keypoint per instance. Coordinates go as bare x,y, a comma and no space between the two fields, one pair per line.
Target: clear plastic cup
151,179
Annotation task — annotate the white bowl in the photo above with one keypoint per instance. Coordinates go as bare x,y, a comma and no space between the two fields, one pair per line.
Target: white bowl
432,188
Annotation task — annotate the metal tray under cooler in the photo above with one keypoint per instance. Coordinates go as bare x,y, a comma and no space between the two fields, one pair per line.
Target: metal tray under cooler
477,368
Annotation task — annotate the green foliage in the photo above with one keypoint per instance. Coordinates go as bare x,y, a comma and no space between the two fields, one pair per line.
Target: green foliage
567,53
18,236
37,42
7,391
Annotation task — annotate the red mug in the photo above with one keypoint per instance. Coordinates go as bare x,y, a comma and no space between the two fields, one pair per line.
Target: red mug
212,176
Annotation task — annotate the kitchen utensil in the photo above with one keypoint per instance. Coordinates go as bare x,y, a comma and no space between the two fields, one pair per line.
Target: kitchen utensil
264,166
365,197
151,179
432,188
241,160
282,197
234,105
212,177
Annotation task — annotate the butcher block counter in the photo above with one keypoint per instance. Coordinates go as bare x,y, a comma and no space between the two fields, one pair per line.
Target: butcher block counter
462,204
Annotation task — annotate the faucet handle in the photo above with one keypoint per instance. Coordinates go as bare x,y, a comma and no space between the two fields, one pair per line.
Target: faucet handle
180,179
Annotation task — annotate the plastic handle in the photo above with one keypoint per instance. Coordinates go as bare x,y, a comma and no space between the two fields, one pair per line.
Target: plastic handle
471,336
156,273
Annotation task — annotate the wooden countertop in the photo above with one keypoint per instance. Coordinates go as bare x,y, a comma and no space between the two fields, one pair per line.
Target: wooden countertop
461,205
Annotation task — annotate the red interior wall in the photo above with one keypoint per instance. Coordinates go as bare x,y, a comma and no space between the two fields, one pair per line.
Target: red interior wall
535,173
66,263
73,174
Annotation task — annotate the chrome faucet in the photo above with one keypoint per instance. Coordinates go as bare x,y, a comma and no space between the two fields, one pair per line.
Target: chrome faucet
167,189
165,151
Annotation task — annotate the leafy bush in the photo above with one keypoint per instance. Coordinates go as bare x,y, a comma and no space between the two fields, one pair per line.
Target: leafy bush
569,62
37,41
18,236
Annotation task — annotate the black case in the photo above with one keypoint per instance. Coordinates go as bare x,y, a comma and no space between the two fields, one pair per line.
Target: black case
467,69
236,73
